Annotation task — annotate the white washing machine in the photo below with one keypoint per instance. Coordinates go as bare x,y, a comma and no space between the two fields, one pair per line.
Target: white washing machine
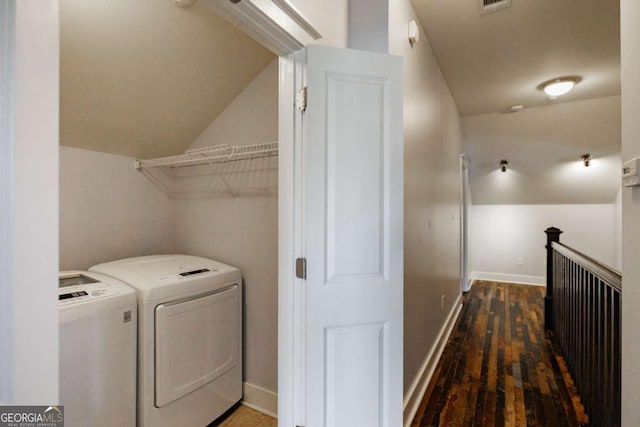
98,331
189,337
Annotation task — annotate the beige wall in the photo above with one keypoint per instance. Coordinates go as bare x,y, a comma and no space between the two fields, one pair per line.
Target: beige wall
329,17
500,234
369,25
251,118
243,232
433,143
630,39
108,210
617,232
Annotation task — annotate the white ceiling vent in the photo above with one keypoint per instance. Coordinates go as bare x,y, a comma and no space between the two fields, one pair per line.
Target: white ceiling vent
488,6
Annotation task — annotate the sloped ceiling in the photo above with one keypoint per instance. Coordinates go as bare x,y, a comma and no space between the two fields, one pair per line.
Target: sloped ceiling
144,78
543,146
494,60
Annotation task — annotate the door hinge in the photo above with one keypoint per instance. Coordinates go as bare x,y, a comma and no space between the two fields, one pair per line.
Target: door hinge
301,99
301,268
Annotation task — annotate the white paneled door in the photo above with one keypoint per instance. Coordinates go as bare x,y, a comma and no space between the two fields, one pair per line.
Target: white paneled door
348,338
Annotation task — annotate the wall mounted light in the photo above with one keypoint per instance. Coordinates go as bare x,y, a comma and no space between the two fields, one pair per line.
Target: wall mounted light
586,158
414,32
503,165
559,86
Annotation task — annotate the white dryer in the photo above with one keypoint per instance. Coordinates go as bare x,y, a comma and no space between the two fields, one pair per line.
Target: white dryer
189,337
98,331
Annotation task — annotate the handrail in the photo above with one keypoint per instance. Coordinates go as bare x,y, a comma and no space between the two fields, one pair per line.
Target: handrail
583,317
610,276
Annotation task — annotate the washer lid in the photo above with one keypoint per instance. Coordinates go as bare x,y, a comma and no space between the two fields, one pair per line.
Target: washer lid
74,279
159,277
85,294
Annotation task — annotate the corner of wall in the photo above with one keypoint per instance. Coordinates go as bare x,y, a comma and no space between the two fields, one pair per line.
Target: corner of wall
260,399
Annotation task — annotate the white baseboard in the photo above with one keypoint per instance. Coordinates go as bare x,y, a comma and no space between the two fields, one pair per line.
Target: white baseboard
419,386
519,279
260,399
472,278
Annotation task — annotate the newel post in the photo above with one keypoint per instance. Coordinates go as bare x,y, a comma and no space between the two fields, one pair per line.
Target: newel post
553,235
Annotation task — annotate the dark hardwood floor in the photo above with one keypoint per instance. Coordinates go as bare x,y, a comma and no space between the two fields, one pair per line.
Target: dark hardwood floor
498,369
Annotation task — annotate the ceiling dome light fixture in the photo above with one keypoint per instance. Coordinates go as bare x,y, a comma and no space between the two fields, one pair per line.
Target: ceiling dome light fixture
503,165
560,86
586,158
184,3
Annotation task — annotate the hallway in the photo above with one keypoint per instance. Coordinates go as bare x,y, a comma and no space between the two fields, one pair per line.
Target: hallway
498,369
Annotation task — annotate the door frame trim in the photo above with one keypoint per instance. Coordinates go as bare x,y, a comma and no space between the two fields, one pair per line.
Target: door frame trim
276,24
291,289
464,223
7,46
286,245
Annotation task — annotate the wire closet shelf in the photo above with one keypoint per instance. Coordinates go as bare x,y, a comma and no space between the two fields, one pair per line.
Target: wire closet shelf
211,155
249,178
